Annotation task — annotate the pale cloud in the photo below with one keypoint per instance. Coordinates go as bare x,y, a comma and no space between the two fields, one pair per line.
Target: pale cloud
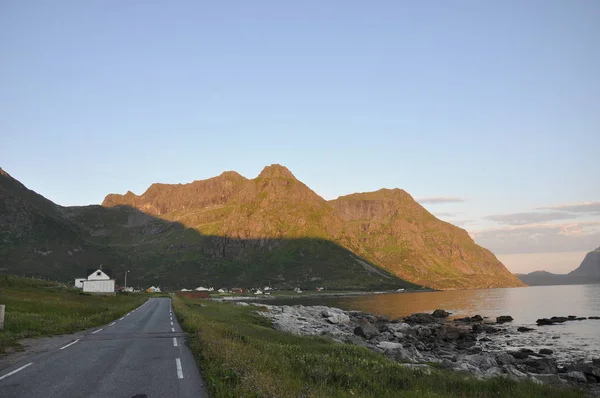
584,207
434,200
442,214
540,237
529,218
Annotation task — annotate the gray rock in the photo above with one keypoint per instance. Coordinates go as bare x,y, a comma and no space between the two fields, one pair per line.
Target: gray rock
447,364
481,361
549,378
512,370
420,318
504,318
576,376
546,351
367,330
388,345
399,335
492,372
440,314
242,304
398,327
338,318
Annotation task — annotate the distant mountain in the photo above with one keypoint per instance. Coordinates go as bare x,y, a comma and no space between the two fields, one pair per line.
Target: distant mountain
230,230
590,266
587,273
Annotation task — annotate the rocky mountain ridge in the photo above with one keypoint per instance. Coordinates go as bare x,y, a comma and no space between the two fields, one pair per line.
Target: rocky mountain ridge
387,227
230,230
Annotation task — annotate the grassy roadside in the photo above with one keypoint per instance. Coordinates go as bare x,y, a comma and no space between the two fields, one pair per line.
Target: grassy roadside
241,355
41,308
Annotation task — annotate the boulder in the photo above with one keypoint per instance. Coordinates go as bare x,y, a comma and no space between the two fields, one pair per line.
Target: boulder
409,353
475,318
546,351
519,354
513,371
524,329
544,322
593,317
549,378
447,364
576,376
366,330
504,319
420,318
338,318
440,314
481,361
398,327
389,345
541,365
596,361
505,359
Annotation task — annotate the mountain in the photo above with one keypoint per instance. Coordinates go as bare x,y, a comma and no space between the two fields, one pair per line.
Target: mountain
590,266
230,230
588,272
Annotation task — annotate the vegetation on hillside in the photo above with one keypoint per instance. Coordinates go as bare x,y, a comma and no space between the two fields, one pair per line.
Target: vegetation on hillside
43,308
229,231
241,355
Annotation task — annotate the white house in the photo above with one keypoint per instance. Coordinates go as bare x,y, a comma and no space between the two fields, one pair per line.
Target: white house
153,289
202,289
79,282
97,282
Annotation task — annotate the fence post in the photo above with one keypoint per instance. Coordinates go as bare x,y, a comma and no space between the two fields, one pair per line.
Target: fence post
1,316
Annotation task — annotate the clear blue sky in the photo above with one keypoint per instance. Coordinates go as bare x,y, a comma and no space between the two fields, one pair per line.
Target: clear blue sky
497,103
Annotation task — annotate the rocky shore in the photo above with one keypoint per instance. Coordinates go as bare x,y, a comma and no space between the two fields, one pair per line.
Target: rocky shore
471,345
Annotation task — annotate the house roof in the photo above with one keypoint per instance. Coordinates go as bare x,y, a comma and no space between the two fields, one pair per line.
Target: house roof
107,271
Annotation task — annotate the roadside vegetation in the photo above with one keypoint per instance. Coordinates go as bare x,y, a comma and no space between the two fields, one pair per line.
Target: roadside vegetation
43,308
241,355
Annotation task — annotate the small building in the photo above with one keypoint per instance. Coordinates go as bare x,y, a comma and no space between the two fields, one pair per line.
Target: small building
153,289
79,282
98,282
202,289
238,290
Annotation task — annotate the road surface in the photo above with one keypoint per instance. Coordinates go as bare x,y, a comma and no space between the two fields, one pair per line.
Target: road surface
140,355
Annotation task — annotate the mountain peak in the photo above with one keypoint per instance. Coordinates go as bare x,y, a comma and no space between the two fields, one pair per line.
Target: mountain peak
276,171
3,173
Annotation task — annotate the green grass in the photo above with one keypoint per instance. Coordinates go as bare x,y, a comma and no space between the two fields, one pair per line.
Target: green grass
242,356
42,308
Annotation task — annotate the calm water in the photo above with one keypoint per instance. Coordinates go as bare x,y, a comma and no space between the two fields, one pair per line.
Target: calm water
577,339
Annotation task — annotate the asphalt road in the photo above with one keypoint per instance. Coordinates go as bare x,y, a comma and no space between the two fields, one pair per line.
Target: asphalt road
140,355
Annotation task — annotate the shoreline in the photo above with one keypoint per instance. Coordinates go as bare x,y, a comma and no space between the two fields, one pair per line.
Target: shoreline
260,297
470,345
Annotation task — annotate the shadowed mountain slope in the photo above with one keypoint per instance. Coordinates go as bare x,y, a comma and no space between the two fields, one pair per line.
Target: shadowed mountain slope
387,227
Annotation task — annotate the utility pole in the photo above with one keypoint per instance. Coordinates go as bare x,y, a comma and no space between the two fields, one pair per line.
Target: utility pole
1,316
126,272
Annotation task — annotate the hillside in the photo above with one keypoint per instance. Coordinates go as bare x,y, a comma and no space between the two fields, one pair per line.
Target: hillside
589,267
392,230
229,230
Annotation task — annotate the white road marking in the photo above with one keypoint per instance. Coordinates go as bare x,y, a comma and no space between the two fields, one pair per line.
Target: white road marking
31,363
179,370
112,324
174,341
70,344
122,318
171,323
96,331
172,329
